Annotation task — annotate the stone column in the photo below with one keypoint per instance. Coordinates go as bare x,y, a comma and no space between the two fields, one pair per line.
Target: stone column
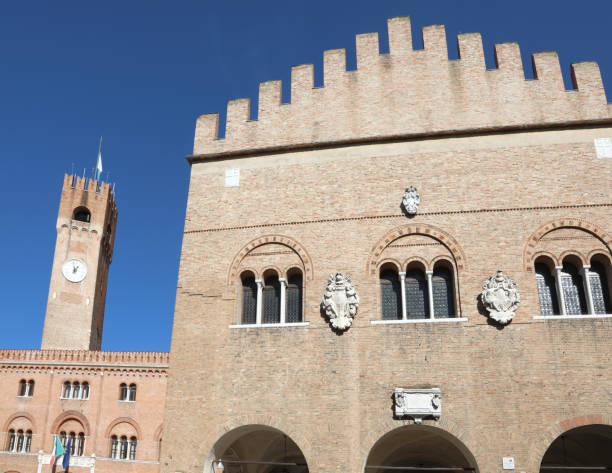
40,461
430,293
560,297
259,283
402,276
587,288
283,299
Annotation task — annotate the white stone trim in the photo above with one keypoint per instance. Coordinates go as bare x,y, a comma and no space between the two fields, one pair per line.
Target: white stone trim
286,324
573,316
418,321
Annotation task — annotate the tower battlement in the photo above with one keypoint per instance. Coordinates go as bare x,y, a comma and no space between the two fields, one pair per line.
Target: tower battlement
407,92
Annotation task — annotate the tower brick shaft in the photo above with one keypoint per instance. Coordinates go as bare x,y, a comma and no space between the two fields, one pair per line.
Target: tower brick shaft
86,224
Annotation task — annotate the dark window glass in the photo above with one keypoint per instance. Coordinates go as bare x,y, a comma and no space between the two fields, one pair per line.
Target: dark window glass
271,301
133,448
12,440
417,303
85,390
80,445
390,295
76,390
294,298
67,388
31,388
114,447
20,440
547,292
123,389
573,293
124,451
63,439
442,288
599,288
132,392
249,301
28,441
22,387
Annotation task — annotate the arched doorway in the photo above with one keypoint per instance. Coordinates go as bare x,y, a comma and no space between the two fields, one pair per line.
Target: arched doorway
419,449
255,449
583,449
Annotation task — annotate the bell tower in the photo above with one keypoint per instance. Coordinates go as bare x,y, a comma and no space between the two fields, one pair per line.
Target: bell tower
86,224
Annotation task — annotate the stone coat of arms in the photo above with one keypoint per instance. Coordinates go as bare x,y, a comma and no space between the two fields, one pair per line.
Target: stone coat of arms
340,301
500,297
411,200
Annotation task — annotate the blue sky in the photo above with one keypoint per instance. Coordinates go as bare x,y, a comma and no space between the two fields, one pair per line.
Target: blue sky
139,73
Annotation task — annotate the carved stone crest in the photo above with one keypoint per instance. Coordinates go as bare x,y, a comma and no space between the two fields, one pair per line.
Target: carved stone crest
418,403
411,200
500,297
340,301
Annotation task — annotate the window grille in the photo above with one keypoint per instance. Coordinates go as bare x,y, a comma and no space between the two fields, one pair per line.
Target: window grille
271,301
249,301
573,294
294,298
390,295
599,289
417,304
442,288
546,290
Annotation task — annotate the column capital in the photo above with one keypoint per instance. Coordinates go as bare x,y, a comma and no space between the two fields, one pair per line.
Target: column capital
402,274
428,272
259,282
283,281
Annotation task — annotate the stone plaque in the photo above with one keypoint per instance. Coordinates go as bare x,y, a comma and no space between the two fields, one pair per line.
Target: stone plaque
418,403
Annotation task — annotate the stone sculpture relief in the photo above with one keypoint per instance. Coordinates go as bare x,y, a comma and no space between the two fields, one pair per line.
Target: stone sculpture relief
500,297
418,403
411,200
340,301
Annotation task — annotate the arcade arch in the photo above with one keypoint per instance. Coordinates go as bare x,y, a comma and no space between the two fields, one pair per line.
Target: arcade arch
255,449
420,449
586,448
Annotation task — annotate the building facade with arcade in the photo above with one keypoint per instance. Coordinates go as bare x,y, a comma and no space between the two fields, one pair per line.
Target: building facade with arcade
406,269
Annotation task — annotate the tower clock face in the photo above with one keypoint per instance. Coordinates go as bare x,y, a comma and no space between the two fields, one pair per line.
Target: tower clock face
74,270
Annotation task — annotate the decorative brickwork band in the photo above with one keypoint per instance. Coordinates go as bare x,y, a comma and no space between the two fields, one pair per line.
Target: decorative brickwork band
407,92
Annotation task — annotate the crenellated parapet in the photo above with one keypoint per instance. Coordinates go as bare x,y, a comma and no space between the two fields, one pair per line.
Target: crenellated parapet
158,360
407,92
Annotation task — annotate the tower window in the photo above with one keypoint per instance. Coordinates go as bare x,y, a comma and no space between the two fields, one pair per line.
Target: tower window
82,214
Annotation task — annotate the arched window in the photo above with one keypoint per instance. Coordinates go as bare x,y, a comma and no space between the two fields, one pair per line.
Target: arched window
443,292
67,389
23,388
20,439
73,445
82,214
600,290
390,294
63,438
85,390
573,289
124,448
123,392
417,301
294,296
76,390
30,387
114,450
80,445
271,299
133,448
249,298
28,441
132,392
12,441
547,292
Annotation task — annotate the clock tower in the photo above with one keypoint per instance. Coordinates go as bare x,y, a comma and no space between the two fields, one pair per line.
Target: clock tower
83,252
